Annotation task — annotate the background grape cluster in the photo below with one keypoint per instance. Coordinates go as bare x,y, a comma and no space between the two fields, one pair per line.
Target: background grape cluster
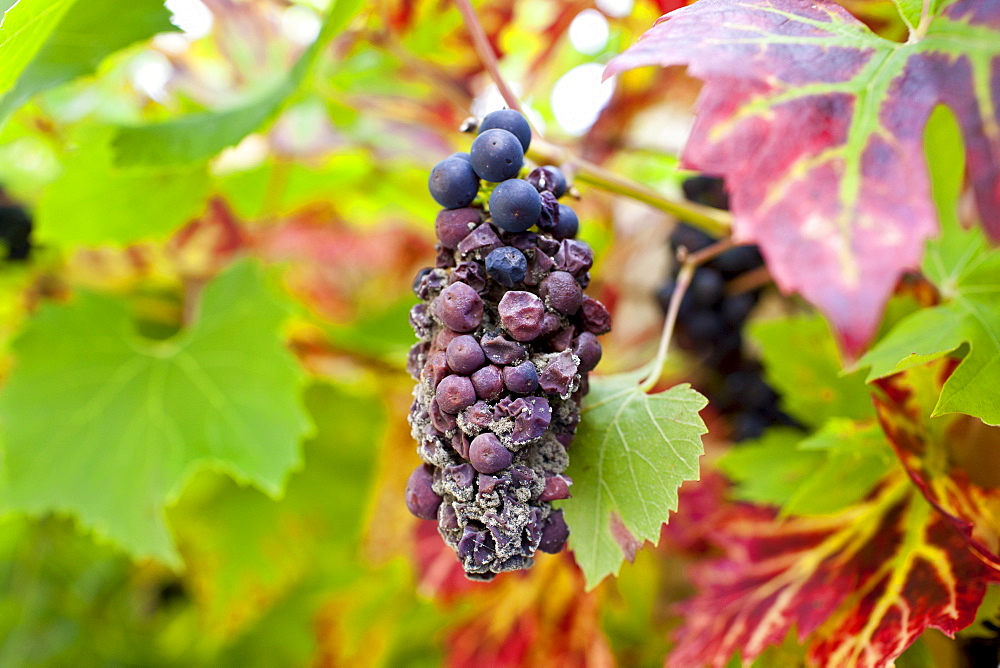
711,319
507,339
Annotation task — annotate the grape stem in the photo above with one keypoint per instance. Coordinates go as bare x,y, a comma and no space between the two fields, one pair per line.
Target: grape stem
689,262
714,221
486,54
751,280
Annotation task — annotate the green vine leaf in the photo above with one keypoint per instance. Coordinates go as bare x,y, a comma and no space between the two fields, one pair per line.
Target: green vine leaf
965,270
109,428
803,364
96,202
200,136
631,454
25,27
88,32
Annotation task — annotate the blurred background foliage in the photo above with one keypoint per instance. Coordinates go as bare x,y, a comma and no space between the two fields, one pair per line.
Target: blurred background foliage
300,134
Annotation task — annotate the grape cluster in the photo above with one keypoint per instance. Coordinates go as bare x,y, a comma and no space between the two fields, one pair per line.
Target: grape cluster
507,339
710,321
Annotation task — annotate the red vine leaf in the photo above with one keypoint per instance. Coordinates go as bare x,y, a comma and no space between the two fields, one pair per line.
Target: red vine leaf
817,125
859,587
927,448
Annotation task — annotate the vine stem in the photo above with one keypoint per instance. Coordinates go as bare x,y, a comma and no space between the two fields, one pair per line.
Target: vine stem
713,221
486,54
689,262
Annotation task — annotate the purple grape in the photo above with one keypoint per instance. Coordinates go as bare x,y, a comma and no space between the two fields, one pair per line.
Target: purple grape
561,291
558,376
480,242
436,368
521,314
515,205
453,183
596,318
470,273
465,355
554,533
455,393
488,382
459,307
521,379
588,349
476,546
421,320
420,497
548,219
477,417
501,350
548,179
453,225
556,488
496,155
532,416
573,256
447,517
488,454
417,358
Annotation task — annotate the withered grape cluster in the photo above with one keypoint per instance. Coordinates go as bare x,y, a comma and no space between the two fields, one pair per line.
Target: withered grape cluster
507,339
710,322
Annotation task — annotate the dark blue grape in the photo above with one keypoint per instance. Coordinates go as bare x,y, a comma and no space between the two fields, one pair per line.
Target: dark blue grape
737,261
690,238
707,287
461,155
507,266
515,205
511,121
707,190
568,225
15,232
736,308
496,156
453,183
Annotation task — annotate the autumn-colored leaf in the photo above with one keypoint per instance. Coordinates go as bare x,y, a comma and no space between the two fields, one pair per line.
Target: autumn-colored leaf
542,618
926,449
858,587
817,125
